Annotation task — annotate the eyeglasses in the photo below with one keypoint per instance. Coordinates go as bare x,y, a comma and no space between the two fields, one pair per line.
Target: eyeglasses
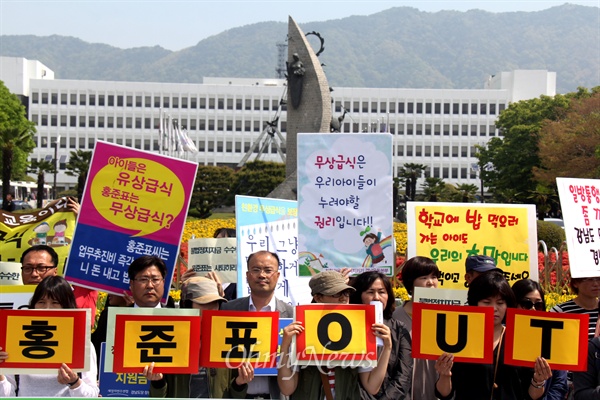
259,271
528,304
594,279
345,293
40,269
145,280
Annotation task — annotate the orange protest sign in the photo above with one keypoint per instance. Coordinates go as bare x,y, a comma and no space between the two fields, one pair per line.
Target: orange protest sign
465,331
44,339
171,342
239,336
558,337
336,334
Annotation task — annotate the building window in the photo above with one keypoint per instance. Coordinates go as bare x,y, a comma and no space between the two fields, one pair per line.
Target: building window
238,104
455,151
128,123
493,109
355,106
463,173
464,151
63,99
175,102
446,151
418,151
54,98
474,130
428,130
410,108
129,103
91,121
81,99
248,104
409,150
101,100
53,120
492,130
427,108
428,151
148,123
482,130
110,122
202,103
166,102
419,108
92,99
63,120
400,108
400,150
445,173
454,173
119,122
483,109
474,109
73,99
100,122
35,97
147,101
455,109
194,103
436,151
73,120
409,129
446,108
138,101
454,130
120,101
465,108
156,101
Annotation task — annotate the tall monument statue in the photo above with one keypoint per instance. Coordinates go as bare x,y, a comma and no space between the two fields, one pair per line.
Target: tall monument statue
308,103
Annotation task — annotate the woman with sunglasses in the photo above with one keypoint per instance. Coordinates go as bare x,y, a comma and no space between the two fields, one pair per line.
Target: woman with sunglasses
495,381
530,296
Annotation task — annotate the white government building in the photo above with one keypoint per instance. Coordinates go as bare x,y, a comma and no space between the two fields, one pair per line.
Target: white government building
438,128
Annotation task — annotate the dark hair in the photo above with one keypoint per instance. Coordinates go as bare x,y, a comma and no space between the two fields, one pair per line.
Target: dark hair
416,267
230,233
372,236
143,262
523,287
56,288
42,247
262,252
490,284
575,289
364,281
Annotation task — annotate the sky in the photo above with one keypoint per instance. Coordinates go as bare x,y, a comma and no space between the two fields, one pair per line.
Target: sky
178,24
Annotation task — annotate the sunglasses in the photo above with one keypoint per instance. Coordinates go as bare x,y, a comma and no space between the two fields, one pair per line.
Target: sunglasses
528,305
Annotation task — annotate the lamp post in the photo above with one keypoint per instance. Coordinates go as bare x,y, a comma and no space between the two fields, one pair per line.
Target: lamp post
56,142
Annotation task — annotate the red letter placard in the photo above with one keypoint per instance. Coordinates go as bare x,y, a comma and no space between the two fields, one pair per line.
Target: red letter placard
336,334
171,341
233,337
465,331
560,338
41,340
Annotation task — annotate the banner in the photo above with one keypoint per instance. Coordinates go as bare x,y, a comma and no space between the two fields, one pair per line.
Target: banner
561,338
345,202
214,255
121,385
335,335
168,337
15,297
579,201
465,331
449,297
39,341
135,204
239,336
450,232
271,225
53,226
10,273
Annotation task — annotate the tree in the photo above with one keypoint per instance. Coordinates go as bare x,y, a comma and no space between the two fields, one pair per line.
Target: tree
257,178
211,189
16,136
568,147
514,156
467,192
79,165
41,168
433,189
411,173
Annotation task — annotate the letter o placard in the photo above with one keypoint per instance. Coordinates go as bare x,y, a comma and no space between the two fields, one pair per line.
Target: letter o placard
323,331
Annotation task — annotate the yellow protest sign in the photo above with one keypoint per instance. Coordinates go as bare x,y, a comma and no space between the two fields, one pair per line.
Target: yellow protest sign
53,226
336,334
239,336
39,340
450,232
140,336
465,331
558,337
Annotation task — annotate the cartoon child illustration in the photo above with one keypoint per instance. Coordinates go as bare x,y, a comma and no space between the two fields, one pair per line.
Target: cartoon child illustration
59,232
41,231
374,249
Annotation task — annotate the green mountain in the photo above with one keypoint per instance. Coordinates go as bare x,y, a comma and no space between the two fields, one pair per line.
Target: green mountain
399,47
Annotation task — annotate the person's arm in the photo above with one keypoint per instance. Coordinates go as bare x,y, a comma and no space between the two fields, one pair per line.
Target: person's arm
399,385
238,387
371,381
158,383
287,376
86,386
586,383
7,384
542,372
443,366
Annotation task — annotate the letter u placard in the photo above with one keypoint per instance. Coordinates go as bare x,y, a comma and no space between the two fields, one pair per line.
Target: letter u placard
465,331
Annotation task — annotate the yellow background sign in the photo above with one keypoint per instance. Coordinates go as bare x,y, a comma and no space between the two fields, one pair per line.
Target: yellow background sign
178,336
558,337
449,232
465,331
336,330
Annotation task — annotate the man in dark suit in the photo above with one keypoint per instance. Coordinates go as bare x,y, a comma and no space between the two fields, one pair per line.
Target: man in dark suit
262,275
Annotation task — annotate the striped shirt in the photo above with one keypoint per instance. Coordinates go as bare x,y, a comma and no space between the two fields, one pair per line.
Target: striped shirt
570,307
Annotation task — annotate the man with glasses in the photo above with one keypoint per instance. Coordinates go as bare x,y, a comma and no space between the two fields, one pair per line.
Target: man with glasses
147,285
262,277
38,262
